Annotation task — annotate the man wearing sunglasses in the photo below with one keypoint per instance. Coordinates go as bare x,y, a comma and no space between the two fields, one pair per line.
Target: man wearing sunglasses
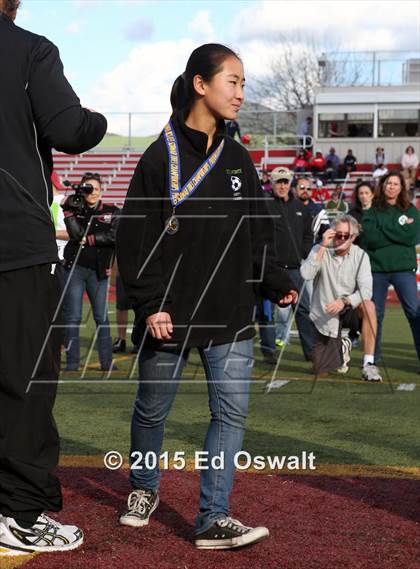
342,291
303,190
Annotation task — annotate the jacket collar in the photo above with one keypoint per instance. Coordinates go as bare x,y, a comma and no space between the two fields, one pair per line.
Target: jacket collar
291,197
196,138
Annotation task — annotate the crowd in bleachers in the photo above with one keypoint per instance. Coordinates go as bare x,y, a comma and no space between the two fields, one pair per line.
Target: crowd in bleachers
330,167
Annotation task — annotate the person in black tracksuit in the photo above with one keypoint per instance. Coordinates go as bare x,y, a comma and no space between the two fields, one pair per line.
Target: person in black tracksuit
88,260
38,111
294,240
192,269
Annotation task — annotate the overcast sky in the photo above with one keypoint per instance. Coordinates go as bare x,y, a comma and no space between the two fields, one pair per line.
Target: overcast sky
123,55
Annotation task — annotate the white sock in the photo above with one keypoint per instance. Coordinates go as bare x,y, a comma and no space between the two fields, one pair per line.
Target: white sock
368,359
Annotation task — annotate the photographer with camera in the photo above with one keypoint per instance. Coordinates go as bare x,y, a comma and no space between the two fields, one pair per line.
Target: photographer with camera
88,259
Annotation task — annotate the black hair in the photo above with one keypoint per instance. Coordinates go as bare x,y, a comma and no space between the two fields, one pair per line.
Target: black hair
91,176
357,187
206,60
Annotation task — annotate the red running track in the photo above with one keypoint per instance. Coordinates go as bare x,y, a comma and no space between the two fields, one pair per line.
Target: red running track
316,522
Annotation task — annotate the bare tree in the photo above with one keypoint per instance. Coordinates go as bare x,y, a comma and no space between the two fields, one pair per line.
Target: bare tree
296,72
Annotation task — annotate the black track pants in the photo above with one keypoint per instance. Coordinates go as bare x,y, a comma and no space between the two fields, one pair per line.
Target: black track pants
29,367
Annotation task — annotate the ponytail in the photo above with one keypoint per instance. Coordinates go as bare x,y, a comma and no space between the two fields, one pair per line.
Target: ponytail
207,61
179,98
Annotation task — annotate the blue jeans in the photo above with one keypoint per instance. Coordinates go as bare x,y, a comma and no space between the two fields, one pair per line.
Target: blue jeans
304,324
405,286
228,371
282,316
266,326
78,280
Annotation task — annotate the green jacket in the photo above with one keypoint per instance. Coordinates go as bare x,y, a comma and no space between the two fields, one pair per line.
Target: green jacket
389,241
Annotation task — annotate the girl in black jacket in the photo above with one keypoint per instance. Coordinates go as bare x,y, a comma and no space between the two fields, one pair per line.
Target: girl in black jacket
194,245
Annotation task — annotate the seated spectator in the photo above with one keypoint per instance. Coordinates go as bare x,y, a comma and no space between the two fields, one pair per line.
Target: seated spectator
409,164
380,171
300,163
266,182
320,193
342,291
349,162
390,234
379,157
337,203
332,165
318,163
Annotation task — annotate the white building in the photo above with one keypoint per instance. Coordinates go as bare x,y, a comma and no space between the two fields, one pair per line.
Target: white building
364,118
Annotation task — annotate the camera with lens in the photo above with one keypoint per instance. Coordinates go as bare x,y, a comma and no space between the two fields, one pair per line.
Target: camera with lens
76,201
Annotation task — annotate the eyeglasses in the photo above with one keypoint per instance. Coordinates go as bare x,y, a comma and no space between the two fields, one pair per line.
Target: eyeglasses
342,236
303,187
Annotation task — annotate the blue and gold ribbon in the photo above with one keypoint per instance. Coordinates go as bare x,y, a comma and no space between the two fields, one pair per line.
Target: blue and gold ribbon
177,193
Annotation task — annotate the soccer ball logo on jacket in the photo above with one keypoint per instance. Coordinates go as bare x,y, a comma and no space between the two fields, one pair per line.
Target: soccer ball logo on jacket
236,186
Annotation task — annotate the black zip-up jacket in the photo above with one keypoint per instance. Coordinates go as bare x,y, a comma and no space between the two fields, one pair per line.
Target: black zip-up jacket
38,111
205,275
293,230
99,226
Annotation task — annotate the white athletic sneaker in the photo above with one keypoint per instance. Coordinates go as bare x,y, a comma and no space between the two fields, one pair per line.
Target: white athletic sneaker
44,536
346,347
371,373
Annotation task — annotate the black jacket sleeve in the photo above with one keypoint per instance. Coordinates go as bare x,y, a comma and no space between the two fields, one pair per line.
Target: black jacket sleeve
308,236
76,228
139,241
272,282
59,118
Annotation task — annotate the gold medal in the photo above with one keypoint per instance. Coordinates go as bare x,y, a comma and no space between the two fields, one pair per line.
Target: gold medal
172,225
177,192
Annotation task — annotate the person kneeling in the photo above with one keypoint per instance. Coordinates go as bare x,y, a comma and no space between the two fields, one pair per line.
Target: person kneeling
342,291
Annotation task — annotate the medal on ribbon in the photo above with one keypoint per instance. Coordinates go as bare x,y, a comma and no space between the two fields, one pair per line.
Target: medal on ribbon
179,193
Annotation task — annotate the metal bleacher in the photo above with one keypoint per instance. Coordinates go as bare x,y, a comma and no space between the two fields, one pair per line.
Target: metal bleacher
115,168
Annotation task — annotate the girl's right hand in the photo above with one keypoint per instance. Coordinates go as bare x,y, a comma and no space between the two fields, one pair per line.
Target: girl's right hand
160,325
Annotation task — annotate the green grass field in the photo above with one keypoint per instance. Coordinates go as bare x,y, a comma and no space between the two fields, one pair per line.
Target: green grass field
341,419
116,141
